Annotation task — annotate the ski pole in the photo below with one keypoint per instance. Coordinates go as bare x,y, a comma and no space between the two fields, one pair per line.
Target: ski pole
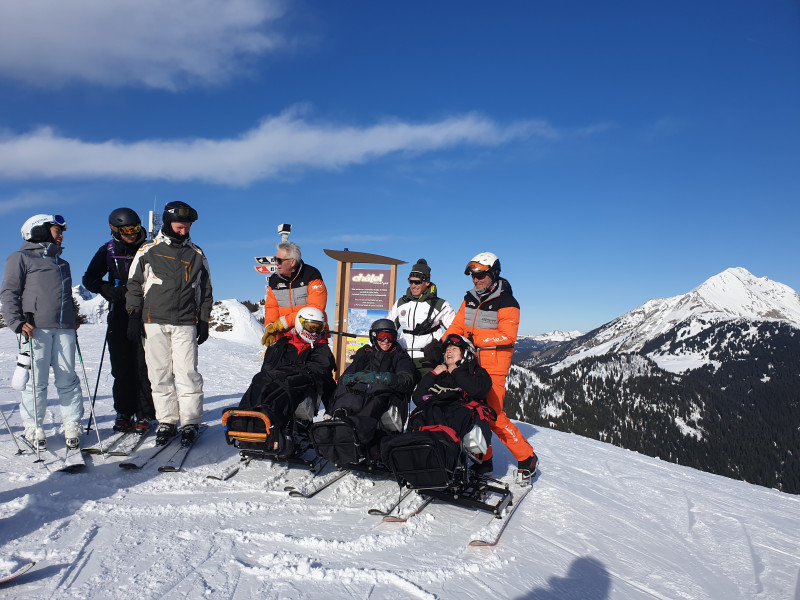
345,334
91,406
96,383
35,407
19,450
102,357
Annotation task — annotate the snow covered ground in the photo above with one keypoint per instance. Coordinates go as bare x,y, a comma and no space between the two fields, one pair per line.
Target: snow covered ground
601,522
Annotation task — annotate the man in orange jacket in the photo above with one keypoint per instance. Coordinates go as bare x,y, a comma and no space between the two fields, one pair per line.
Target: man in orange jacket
294,286
489,317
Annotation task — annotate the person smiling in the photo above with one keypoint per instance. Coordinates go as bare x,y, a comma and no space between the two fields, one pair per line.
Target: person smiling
420,315
293,287
37,305
489,318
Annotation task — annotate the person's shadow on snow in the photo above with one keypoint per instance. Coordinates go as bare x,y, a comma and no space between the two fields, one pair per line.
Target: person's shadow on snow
587,579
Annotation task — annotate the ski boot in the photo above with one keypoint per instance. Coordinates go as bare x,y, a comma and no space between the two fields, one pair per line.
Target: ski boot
142,426
165,432
35,437
189,434
123,422
526,469
72,435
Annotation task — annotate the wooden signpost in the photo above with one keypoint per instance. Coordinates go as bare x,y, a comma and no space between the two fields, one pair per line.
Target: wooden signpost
363,294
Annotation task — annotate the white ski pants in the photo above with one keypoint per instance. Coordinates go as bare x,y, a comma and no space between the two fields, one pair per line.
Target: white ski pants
170,352
52,349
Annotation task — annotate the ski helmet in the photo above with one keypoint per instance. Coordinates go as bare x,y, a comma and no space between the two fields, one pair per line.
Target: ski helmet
310,324
467,349
126,221
124,217
382,325
485,262
37,228
178,212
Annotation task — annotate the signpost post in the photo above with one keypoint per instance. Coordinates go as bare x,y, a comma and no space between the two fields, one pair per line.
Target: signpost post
362,296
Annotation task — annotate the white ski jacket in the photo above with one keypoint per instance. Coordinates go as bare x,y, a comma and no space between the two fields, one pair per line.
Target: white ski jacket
421,320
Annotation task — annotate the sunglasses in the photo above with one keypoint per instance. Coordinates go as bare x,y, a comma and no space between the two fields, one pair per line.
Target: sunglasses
129,229
280,261
385,336
415,282
183,212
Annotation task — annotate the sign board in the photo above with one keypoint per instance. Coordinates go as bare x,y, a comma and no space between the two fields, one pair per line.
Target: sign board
265,260
363,295
369,289
265,269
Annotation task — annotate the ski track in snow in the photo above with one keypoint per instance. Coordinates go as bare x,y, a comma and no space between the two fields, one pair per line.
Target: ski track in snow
601,522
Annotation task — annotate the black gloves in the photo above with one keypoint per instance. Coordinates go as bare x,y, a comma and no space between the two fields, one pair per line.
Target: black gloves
111,293
202,332
135,326
434,353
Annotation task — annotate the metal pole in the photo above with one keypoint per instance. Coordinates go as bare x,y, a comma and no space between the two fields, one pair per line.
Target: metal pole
91,407
19,450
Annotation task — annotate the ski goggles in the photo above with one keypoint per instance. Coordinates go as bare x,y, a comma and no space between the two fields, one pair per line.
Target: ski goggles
183,212
453,340
312,326
129,229
59,220
385,336
474,267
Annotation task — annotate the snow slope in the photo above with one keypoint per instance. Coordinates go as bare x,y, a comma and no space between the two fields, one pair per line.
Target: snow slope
601,522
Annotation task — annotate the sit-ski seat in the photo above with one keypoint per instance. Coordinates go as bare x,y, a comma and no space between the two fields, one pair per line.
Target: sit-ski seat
254,434
434,462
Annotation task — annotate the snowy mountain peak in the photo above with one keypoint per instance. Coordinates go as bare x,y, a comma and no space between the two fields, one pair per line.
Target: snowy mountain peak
738,293
734,294
556,336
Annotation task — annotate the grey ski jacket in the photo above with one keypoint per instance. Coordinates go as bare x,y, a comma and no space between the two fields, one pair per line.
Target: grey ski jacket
37,280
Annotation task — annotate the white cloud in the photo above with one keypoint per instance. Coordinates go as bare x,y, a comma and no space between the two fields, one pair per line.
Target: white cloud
165,44
30,200
278,146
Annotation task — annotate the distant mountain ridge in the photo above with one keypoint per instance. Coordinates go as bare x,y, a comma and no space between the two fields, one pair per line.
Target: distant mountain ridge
733,295
708,379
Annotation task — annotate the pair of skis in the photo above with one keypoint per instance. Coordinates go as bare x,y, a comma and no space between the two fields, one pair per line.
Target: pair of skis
71,462
171,455
487,536
121,443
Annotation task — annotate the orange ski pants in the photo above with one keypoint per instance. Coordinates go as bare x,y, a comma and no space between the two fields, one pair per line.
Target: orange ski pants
503,427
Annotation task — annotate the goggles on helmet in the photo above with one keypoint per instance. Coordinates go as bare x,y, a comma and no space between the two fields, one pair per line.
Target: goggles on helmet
183,212
130,229
312,326
383,336
452,339
474,268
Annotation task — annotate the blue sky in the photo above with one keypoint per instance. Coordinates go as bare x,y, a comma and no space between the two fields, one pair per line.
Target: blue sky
607,152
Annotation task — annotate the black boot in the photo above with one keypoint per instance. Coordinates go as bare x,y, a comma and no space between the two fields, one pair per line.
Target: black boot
165,432
123,422
189,434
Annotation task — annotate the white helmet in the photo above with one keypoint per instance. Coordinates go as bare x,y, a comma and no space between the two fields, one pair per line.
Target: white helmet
35,228
310,324
485,262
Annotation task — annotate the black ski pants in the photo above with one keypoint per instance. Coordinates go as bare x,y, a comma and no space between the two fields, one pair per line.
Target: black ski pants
131,388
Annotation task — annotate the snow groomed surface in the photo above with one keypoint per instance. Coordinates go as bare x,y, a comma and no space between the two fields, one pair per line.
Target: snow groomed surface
600,522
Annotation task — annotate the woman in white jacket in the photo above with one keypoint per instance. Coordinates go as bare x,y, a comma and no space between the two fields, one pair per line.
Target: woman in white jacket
420,315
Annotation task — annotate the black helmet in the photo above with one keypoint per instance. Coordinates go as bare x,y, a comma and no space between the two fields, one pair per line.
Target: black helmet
123,217
178,212
382,325
467,349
